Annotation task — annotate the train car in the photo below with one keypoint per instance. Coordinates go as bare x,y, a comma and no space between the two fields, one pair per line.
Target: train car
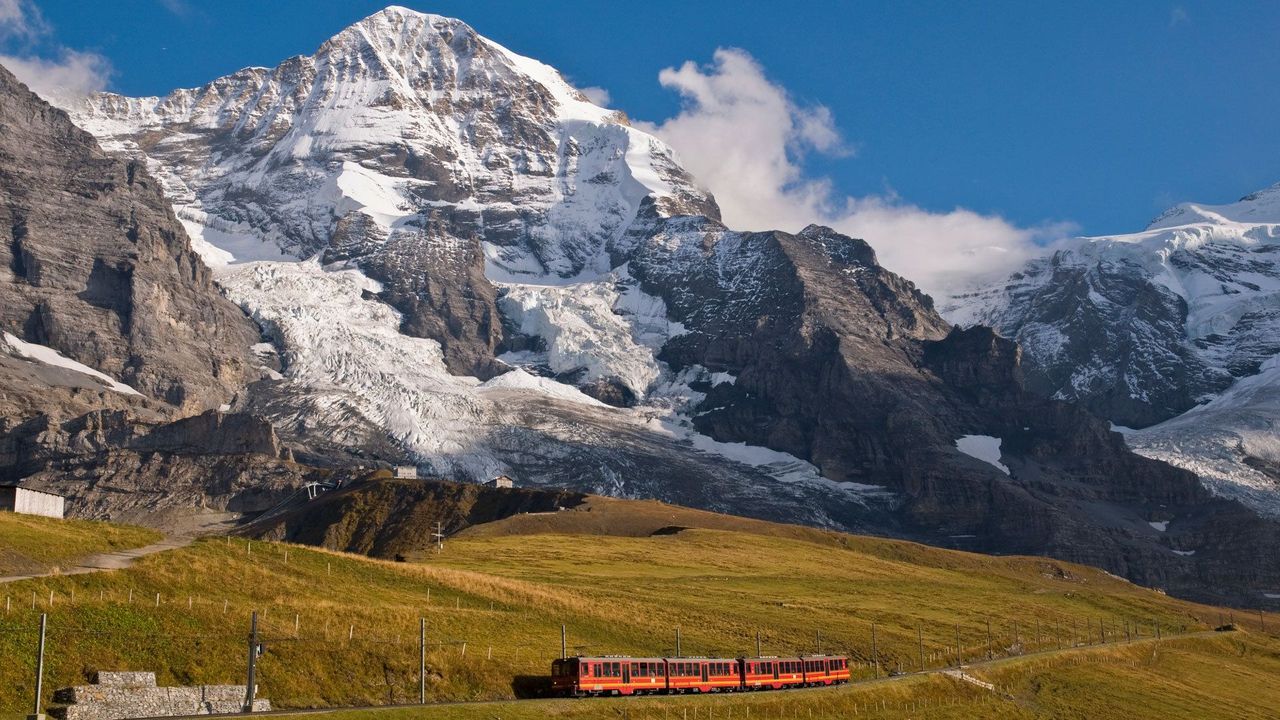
703,675
609,675
771,673
825,669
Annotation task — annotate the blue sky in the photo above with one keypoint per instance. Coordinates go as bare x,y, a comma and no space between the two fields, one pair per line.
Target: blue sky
1100,114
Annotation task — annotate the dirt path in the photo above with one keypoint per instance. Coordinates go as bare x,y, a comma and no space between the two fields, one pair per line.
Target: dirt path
117,560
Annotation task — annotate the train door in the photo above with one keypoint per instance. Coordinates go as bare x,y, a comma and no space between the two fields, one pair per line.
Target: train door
776,667
704,671
626,673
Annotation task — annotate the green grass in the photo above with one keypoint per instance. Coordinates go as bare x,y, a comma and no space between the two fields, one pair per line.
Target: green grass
1188,678
506,597
30,544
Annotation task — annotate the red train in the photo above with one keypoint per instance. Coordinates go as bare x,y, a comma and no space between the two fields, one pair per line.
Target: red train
583,676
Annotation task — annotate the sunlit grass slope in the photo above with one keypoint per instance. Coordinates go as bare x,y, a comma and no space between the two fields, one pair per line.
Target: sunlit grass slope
30,544
342,629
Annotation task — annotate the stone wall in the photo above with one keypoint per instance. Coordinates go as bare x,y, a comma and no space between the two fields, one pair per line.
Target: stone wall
120,695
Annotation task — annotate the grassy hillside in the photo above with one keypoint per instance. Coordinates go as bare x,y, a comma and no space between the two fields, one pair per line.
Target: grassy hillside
342,629
30,544
1217,678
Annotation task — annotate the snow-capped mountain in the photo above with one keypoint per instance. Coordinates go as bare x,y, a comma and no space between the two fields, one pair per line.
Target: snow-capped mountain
443,187
1175,329
459,261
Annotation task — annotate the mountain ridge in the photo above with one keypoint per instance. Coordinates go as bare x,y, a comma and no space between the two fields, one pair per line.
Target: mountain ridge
1172,330
501,285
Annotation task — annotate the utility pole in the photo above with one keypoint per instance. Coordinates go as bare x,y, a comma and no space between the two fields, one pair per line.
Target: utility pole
959,651
920,643
757,643
564,642
875,652
678,641
251,686
990,653
439,536
422,660
35,710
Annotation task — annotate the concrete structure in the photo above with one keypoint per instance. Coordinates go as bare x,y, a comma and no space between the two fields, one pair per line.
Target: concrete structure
502,481
406,472
15,498
119,695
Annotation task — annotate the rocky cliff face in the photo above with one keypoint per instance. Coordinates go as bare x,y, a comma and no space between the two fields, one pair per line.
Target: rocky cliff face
507,279
94,266
112,327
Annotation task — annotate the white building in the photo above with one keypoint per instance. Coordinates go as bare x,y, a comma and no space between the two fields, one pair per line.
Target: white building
406,472
14,498
502,481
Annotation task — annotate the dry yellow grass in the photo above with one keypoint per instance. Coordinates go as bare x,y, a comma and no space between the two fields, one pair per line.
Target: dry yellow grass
30,544
505,596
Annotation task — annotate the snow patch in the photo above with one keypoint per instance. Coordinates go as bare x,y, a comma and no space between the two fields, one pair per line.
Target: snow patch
520,380
782,466
983,447
1162,525
49,356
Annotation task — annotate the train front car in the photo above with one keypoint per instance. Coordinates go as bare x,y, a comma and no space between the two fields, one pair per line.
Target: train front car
703,675
825,669
609,675
771,673
565,673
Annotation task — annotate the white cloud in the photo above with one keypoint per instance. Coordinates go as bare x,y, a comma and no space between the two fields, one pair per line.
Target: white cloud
56,73
20,19
746,139
597,95
63,80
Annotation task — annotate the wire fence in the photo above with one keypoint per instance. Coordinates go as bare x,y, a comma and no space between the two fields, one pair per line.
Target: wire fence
460,645
310,659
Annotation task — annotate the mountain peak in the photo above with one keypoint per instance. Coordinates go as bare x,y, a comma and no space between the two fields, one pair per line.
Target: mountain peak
1261,207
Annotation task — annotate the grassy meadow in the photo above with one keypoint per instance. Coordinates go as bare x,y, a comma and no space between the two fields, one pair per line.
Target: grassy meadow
343,630
30,544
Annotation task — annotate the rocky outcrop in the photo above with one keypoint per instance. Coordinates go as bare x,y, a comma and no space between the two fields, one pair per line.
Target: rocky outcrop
113,465
94,265
387,518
